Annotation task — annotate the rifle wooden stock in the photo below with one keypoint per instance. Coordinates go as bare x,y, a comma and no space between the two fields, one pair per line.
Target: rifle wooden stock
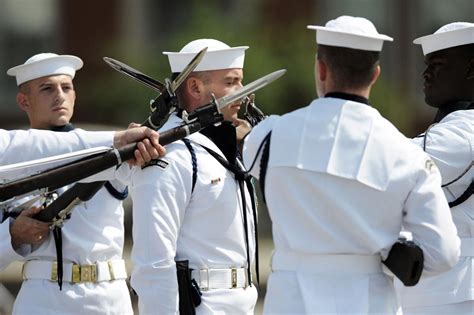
78,170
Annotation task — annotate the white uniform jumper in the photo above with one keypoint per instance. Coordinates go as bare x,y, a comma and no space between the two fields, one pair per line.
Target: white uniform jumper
204,226
341,181
93,236
450,144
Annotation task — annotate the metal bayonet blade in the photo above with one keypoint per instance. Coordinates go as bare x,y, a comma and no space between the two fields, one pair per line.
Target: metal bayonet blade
188,69
135,74
249,88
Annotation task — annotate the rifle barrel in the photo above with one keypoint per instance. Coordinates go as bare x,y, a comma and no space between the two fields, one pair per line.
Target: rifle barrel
78,170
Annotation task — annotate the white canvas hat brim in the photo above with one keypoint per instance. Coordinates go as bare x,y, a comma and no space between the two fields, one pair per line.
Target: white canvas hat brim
228,58
63,64
445,40
331,37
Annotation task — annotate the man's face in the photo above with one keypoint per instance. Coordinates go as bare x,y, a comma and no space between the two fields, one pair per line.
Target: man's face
48,101
221,83
445,77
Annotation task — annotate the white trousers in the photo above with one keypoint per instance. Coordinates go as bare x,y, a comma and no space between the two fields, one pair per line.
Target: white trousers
38,296
463,308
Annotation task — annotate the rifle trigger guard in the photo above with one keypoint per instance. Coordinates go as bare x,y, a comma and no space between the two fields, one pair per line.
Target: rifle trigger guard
63,215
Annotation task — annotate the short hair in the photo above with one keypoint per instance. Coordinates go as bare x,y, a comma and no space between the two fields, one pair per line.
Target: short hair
202,75
466,50
24,87
351,68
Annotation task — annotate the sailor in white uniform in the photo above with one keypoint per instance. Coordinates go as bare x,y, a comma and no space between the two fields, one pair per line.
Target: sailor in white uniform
340,182
92,240
449,86
34,144
188,206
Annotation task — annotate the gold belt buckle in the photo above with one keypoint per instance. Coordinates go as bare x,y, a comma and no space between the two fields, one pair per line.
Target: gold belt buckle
84,273
234,277
54,271
88,273
76,273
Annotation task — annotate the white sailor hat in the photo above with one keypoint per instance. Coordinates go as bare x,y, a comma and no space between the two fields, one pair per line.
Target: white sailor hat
218,56
350,32
449,35
45,64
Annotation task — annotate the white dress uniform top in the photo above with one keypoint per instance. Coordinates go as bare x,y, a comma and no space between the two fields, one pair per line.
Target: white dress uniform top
92,240
345,193
340,182
204,226
24,145
450,143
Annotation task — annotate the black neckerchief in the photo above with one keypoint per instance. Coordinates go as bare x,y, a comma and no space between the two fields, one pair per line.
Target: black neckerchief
447,109
225,138
349,97
67,127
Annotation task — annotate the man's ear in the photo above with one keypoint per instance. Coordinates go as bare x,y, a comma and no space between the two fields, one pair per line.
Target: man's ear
22,101
322,70
470,69
195,87
376,74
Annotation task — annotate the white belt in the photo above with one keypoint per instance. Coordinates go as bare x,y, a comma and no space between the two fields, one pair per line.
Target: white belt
100,271
229,278
358,264
467,247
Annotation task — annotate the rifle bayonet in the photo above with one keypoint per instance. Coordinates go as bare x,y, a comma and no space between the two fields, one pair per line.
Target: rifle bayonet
166,103
135,74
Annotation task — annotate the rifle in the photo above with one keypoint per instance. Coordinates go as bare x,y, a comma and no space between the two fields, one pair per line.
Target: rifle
75,171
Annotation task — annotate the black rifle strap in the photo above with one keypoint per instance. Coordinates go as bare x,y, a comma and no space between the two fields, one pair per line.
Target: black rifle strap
193,160
58,242
264,163
242,176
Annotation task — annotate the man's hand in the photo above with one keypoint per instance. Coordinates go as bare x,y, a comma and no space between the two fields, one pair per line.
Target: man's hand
148,148
242,128
26,230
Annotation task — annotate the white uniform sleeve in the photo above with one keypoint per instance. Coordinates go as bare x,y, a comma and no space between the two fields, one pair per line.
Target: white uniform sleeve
252,150
160,195
7,253
23,145
450,144
428,218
